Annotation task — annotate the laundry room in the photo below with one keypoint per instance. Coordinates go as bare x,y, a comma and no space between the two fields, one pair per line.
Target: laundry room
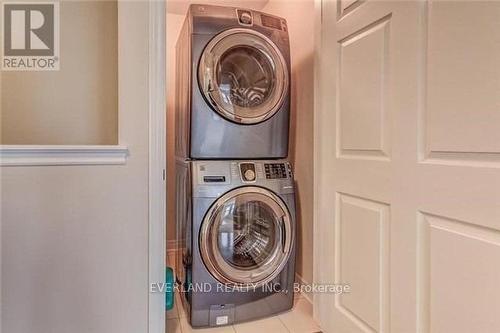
254,134
249,166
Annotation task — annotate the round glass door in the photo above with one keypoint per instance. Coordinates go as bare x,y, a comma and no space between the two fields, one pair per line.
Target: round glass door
243,75
246,237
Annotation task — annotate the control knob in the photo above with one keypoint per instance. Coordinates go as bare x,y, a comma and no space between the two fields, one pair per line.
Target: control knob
246,18
249,175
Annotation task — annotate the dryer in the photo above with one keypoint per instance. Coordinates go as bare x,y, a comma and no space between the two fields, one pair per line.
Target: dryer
236,255
233,84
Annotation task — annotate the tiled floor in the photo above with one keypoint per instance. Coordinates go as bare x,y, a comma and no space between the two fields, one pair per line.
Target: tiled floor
298,320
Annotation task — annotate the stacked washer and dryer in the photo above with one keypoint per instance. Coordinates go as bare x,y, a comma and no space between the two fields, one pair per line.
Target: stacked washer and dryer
235,201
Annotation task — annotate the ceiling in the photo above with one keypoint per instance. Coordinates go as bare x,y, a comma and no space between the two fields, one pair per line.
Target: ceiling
180,7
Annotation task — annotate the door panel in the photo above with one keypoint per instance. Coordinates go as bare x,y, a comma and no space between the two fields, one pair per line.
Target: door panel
364,268
362,113
407,171
463,78
457,271
347,6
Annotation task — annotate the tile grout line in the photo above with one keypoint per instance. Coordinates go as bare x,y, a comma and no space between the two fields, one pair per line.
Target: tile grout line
284,325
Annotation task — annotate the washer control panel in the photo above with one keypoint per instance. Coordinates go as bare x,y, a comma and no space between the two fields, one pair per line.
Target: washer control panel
277,170
214,178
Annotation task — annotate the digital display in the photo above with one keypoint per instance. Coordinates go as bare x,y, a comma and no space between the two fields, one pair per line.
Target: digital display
271,22
275,170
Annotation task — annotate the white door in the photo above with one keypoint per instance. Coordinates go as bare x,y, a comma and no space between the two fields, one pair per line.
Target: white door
407,166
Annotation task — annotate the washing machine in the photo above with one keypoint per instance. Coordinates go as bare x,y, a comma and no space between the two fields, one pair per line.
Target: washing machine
232,84
236,230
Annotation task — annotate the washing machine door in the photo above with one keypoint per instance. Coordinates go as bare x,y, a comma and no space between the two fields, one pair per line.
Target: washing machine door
243,76
246,237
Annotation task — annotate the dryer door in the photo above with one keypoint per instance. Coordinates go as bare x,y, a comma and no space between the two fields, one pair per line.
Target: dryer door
246,237
243,75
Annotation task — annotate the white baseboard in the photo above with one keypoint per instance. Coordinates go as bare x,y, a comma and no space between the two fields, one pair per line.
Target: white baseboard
307,296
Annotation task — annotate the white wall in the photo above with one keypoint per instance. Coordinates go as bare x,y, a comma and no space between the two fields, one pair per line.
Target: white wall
174,25
300,18
77,104
74,239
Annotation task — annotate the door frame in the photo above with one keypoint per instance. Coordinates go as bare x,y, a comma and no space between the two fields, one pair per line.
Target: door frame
318,224
157,163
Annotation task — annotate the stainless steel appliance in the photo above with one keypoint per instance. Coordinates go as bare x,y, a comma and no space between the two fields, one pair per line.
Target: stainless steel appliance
236,232
233,85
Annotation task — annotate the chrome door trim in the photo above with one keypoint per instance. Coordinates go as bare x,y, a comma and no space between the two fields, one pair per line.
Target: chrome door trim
206,77
241,278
